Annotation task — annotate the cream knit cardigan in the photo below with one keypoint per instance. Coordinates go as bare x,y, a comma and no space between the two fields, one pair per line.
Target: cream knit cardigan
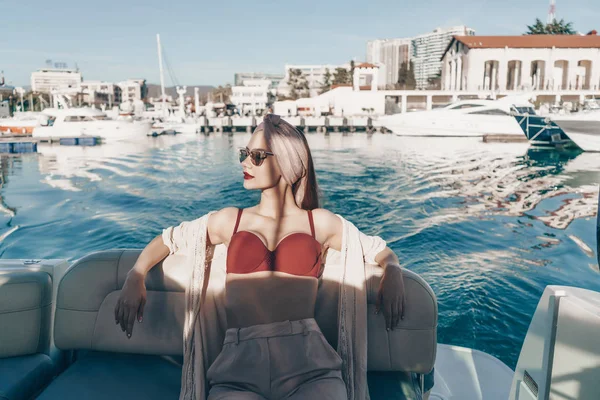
205,322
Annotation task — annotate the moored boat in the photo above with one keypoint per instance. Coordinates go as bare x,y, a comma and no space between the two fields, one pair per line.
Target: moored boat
75,122
465,118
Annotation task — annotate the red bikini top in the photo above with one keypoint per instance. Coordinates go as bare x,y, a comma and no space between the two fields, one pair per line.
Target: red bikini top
297,253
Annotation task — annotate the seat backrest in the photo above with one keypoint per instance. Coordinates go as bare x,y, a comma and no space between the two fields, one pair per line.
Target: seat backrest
87,296
89,290
25,312
412,346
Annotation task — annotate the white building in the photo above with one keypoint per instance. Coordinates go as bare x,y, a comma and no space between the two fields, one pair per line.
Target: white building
252,97
366,75
133,89
425,51
275,79
314,74
47,79
530,62
99,92
428,49
389,54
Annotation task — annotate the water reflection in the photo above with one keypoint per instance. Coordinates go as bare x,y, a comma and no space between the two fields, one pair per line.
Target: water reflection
475,178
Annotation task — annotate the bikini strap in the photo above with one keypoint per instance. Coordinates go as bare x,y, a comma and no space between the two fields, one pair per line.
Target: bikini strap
312,224
237,222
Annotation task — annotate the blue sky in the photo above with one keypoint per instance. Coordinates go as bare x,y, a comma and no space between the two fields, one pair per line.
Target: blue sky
207,42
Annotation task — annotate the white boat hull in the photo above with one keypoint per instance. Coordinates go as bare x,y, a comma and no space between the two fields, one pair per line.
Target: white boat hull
585,133
181,127
107,130
467,374
438,124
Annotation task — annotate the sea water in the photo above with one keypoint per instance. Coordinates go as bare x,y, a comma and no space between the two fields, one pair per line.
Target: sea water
487,225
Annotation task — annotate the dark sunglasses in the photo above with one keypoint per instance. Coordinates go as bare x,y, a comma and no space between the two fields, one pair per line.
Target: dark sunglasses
257,156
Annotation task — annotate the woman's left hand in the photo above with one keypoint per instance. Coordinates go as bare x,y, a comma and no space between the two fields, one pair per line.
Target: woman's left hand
390,298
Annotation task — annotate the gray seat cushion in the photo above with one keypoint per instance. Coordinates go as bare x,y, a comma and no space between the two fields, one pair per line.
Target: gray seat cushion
24,376
397,385
103,375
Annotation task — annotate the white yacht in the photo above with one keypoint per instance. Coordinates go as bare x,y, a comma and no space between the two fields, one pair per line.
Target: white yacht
22,123
59,339
463,118
583,128
76,122
187,125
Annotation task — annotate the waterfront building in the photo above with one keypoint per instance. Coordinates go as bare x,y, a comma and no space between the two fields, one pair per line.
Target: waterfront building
425,51
240,77
389,54
5,90
45,80
100,92
314,74
132,90
529,62
252,96
428,49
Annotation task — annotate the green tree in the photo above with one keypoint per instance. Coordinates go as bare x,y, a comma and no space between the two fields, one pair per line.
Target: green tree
406,76
435,82
554,28
221,94
298,84
326,86
341,76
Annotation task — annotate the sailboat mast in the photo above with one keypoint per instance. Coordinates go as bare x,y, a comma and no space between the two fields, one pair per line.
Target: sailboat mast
162,78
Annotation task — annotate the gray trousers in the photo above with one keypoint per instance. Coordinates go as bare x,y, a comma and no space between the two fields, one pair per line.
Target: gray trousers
282,360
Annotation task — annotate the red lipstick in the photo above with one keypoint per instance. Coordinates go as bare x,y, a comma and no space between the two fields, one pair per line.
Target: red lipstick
247,176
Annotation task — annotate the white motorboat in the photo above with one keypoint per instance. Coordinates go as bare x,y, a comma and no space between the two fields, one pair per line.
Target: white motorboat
177,125
21,123
463,118
77,122
583,128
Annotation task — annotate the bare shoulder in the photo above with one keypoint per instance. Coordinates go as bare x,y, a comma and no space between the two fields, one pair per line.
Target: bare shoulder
221,222
330,224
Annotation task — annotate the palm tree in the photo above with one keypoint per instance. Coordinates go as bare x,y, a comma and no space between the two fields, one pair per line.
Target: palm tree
341,76
406,76
560,28
298,84
554,28
221,94
326,86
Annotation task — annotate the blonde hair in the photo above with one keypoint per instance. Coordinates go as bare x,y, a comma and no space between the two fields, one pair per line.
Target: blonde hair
294,158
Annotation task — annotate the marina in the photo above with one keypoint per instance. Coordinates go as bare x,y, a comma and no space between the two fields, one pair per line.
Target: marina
440,192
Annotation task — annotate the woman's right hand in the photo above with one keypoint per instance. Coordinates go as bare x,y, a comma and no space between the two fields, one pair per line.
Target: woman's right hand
131,302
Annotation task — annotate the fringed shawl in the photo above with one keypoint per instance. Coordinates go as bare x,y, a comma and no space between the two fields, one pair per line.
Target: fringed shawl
205,322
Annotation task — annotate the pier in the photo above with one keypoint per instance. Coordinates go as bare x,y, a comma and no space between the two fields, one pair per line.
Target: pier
305,124
15,144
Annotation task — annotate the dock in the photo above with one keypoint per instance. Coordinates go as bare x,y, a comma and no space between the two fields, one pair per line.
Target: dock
305,124
13,144
500,138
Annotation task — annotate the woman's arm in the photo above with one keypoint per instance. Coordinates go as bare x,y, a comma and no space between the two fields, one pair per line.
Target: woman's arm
132,298
131,302
390,298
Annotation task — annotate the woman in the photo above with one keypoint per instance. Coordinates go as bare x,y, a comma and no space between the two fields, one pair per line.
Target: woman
273,347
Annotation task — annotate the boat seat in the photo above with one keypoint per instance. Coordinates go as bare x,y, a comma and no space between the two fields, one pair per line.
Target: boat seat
85,323
23,376
25,314
104,375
